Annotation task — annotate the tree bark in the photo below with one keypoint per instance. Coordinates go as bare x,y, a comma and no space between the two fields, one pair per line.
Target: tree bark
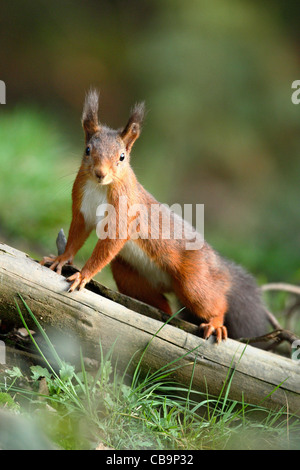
82,319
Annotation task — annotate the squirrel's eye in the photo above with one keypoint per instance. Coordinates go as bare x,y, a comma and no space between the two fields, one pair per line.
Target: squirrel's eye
122,156
88,150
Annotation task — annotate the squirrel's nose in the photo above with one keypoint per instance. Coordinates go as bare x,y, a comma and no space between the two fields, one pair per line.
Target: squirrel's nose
99,174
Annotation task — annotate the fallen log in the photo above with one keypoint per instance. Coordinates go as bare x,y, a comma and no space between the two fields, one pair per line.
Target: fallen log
84,318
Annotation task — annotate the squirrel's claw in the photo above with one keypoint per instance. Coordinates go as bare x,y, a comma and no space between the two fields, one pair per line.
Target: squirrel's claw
48,259
78,281
219,331
53,261
56,262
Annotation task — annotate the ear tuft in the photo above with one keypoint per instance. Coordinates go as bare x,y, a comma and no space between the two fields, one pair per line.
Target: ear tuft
134,126
138,113
90,113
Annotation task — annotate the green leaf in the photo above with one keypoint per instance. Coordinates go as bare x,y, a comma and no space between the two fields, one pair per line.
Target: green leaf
15,372
37,372
66,372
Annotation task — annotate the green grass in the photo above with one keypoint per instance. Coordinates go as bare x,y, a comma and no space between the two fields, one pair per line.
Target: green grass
79,409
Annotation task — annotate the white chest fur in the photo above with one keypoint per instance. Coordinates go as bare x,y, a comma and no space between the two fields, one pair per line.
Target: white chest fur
139,260
93,196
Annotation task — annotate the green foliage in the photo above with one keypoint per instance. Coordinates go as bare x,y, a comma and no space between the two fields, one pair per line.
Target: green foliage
14,372
7,402
38,372
33,157
151,412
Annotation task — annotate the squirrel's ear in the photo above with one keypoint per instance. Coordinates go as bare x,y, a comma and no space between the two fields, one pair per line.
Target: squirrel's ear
134,126
90,114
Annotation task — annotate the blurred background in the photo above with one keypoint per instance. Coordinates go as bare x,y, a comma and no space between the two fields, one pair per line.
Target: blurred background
220,129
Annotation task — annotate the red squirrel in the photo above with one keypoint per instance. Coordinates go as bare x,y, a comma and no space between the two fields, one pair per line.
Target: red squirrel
221,295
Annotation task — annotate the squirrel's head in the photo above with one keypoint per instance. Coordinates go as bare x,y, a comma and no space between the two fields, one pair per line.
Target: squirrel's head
107,151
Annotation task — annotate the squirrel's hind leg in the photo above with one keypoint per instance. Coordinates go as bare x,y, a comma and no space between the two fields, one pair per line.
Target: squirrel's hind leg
209,306
129,282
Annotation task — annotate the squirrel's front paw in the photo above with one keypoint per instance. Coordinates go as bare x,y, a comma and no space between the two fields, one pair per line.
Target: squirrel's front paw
209,328
78,280
56,262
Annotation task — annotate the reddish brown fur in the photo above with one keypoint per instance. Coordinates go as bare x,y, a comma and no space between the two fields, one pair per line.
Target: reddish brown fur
129,281
198,277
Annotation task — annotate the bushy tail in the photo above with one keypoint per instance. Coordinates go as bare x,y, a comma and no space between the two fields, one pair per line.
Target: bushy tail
247,315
